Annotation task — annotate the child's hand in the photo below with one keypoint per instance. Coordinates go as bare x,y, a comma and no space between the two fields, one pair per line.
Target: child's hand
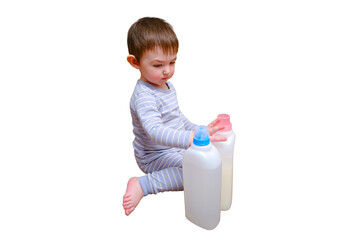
212,128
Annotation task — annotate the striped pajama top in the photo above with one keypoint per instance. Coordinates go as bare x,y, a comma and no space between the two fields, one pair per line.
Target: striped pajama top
159,125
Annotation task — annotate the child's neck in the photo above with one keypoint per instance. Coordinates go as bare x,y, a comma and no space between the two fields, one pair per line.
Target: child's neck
165,86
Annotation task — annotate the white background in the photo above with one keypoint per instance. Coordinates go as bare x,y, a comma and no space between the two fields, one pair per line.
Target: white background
286,71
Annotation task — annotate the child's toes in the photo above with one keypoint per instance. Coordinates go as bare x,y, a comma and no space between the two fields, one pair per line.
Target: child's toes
128,211
127,204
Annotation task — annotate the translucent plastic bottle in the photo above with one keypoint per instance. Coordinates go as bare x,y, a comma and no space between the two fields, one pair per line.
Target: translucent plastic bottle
226,150
202,181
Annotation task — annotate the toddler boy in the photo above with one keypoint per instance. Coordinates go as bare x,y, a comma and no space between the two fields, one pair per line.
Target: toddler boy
162,132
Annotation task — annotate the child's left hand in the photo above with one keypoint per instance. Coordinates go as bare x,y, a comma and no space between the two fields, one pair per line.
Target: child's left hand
212,128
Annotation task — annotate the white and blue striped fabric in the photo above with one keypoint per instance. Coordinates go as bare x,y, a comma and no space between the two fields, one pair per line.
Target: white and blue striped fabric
162,133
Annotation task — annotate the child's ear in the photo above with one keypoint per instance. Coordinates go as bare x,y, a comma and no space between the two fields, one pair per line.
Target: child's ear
133,61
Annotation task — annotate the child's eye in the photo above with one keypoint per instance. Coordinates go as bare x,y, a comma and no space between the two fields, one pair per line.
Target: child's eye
172,62
158,65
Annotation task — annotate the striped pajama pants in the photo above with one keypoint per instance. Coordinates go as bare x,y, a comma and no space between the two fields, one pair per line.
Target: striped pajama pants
162,174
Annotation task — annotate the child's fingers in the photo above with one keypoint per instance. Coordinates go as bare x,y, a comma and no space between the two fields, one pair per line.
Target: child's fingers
218,139
215,129
213,123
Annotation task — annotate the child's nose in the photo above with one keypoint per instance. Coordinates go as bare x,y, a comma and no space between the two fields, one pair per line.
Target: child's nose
166,70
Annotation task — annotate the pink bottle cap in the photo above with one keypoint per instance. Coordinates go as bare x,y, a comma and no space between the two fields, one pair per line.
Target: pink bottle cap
224,121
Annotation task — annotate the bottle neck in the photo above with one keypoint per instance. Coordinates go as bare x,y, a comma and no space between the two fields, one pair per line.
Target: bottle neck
201,148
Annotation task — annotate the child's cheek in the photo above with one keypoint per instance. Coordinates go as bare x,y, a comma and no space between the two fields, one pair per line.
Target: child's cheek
154,76
157,75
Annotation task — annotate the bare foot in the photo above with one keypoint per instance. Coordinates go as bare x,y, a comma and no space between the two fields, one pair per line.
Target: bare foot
133,195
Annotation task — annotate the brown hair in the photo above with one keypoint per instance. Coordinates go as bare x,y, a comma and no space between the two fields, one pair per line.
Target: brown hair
150,32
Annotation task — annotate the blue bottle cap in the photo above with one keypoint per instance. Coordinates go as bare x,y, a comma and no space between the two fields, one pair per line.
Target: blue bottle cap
201,136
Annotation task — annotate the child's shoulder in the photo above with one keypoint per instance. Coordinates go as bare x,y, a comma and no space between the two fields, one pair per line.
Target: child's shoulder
142,88
141,91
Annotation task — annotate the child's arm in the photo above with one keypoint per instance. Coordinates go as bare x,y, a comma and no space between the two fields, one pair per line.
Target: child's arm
151,120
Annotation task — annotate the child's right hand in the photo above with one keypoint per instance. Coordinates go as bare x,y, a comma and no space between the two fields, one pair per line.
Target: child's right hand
212,128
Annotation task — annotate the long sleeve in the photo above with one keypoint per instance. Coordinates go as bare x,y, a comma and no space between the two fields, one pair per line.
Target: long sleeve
188,125
150,118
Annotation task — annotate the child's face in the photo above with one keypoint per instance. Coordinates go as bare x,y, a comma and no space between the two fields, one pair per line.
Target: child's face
157,67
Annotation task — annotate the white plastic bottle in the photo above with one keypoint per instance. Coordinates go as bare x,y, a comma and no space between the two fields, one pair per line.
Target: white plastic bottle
226,150
202,181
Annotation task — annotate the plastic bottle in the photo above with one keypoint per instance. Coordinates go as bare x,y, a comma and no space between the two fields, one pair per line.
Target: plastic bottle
226,150
202,181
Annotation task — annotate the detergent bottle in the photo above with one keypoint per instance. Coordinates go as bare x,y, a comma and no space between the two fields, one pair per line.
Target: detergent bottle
226,150
202,181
